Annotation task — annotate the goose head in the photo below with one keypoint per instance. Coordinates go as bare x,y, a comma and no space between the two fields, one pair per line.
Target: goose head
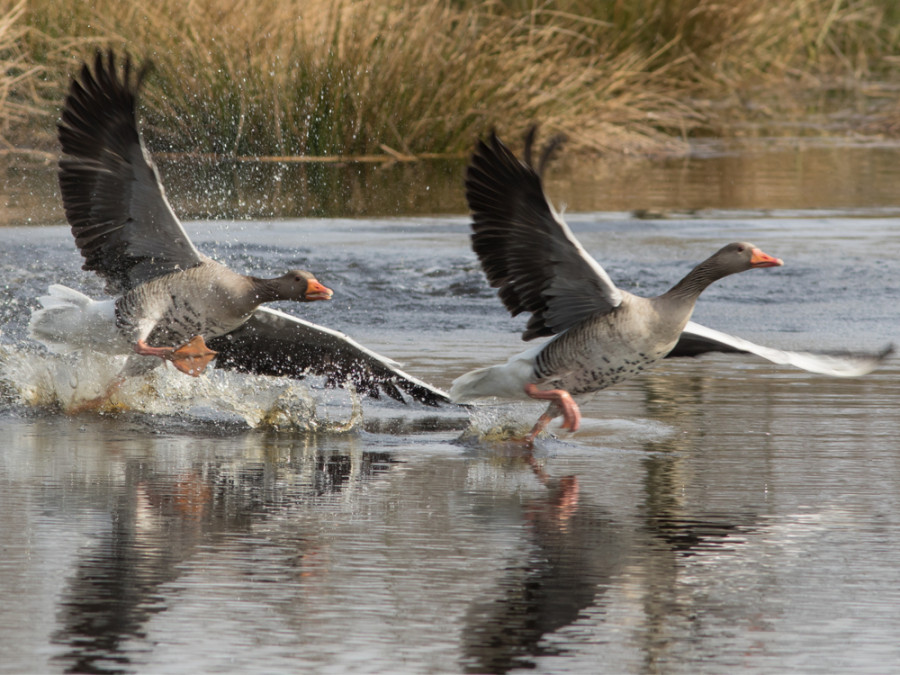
731,259
299,285
739,257
734,258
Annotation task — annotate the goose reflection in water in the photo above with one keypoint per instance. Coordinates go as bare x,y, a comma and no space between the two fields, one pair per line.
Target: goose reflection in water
158,522
577,552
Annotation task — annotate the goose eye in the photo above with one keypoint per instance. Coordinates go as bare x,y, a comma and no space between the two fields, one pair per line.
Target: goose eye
740,249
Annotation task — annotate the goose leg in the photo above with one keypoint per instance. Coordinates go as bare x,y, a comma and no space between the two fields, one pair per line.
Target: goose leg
562,402
541,424
190,358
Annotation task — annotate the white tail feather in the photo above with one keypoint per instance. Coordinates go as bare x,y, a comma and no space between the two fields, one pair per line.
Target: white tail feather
70,320
507,380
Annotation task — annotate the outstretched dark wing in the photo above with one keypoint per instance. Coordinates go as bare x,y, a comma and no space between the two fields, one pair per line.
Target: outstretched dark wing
122,223
275,343
696,340
526,250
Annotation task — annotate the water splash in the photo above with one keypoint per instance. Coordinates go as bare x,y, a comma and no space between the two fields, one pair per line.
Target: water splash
499,423
37,379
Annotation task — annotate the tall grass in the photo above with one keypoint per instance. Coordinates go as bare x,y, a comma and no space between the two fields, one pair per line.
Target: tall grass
355,77
19,100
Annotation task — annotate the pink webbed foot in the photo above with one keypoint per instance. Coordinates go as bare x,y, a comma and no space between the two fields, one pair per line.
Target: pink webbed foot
191,358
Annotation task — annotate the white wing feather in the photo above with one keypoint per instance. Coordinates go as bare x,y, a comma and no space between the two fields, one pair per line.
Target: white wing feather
837,365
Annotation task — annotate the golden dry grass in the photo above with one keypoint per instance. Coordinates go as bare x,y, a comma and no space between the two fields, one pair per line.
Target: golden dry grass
357,77
19,100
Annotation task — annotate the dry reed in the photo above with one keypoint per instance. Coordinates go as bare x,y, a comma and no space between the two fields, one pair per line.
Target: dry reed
406,77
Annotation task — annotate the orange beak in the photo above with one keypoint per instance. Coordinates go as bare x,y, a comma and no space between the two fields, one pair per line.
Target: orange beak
760,259
316,291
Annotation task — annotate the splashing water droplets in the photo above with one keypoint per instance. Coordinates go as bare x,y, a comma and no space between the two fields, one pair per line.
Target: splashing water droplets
69,381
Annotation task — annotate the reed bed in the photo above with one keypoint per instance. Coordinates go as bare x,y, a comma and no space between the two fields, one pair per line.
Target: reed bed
402,78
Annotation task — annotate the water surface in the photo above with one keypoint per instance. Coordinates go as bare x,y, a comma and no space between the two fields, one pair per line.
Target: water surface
713,515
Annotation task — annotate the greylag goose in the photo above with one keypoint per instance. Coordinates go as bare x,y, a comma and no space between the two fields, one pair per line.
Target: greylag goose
602,334
172,299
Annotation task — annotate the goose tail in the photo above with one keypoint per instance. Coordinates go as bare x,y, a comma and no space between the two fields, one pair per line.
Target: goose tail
69,320
505,381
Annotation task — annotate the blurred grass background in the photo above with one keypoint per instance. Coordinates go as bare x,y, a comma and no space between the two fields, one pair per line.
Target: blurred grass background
357,77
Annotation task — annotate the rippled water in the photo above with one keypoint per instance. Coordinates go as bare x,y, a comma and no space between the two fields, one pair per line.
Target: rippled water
712,516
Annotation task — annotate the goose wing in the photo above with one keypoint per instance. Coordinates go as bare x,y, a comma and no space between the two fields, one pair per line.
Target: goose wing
114,201
274,343
696,340
526,250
